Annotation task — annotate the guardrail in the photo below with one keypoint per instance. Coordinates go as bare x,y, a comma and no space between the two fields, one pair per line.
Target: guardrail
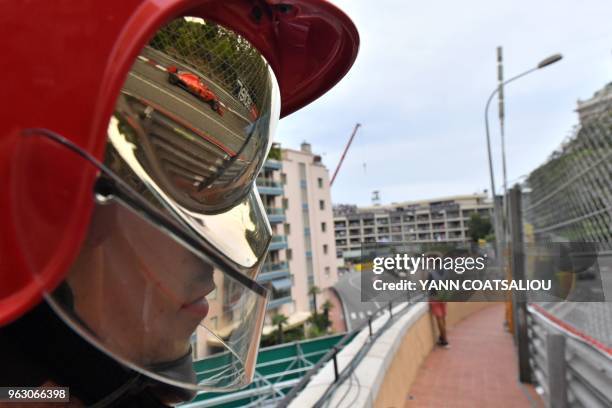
572,369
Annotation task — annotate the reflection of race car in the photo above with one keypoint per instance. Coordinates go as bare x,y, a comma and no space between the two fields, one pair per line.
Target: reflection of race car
194,85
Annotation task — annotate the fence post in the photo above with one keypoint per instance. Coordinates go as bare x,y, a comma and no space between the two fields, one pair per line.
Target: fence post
556,362
335,364
519,304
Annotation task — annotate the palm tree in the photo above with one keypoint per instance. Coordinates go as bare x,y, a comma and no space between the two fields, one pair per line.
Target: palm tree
314,291
327,306
279,320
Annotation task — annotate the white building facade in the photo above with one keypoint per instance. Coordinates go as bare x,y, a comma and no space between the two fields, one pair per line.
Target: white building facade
309,225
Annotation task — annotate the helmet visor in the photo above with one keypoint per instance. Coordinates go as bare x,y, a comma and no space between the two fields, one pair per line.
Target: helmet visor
177,233
150,292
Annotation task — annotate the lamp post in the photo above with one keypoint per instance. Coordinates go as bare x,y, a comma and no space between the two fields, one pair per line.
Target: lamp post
544,63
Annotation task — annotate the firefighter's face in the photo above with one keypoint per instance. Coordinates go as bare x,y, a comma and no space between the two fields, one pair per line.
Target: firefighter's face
145,292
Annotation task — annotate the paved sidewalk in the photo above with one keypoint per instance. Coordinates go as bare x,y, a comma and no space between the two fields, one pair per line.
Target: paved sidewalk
478,370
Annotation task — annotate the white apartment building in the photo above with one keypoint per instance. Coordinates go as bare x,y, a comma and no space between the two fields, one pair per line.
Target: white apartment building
309,224
426,221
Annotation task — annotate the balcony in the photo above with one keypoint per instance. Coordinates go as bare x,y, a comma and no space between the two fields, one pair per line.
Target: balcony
276,303
278,242
269,187
275,215
340,234
273,164
274,270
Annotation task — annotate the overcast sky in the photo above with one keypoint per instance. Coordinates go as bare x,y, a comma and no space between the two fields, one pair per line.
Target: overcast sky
420,83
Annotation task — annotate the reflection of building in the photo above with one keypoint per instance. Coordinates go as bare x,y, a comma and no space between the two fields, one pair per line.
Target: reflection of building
309,224
438,220
275,273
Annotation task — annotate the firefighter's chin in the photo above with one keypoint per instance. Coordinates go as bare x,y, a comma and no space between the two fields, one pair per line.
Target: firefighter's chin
181,370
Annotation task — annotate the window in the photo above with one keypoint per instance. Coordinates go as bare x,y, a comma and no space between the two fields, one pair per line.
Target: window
321,204
283,178
287,229
327,271
325,249
289,254
323,227
285,203
320,182
339,253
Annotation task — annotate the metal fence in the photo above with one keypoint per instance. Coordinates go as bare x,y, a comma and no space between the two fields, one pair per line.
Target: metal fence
570,195
565,349
218,54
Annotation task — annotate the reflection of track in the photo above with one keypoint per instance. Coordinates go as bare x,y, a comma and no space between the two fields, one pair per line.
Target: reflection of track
150,83
230,101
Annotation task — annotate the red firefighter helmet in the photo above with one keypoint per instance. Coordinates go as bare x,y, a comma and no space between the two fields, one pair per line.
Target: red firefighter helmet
75,122
63,67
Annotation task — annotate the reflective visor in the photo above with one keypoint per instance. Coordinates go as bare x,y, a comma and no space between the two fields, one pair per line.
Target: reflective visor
178,232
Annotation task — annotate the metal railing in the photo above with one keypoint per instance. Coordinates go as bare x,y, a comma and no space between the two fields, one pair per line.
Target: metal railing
275,211
268,183
274,266
571,369
331,355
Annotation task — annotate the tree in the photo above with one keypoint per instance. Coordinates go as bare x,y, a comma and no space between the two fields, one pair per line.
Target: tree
327,306
479,227
314,291
279,320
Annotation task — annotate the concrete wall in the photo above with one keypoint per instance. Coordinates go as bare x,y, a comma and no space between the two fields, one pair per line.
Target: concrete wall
418,342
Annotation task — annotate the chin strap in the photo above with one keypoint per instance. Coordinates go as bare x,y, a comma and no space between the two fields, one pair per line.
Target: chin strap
66,359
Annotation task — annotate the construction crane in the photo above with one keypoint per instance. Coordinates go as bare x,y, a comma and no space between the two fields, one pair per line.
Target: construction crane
357,125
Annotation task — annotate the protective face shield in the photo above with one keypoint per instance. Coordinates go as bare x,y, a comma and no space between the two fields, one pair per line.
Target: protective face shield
178,232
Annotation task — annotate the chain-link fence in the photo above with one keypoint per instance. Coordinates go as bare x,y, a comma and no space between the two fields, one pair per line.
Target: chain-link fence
570,197
217,54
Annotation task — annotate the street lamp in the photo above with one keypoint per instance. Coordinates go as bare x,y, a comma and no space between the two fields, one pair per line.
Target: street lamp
544,63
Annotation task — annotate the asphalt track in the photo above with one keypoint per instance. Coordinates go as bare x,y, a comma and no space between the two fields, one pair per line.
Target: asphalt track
149,81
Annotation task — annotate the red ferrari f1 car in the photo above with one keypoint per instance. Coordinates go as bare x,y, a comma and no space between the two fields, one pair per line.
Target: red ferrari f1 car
194,85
